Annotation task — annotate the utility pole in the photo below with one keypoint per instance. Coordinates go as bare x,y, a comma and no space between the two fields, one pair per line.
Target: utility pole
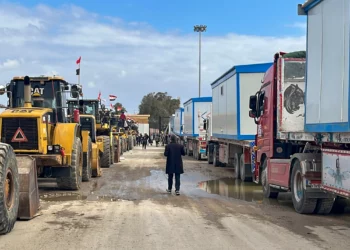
200,29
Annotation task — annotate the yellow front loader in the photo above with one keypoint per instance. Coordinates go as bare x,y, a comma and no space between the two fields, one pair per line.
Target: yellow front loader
106,144
45,142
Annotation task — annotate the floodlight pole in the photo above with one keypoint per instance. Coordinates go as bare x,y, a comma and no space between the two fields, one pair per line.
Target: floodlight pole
200,29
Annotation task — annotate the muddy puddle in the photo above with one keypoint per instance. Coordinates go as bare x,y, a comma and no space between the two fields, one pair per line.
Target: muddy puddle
247,191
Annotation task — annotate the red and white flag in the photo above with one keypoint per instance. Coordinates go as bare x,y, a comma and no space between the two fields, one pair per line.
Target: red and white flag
111,106
99,95
112,97
78,61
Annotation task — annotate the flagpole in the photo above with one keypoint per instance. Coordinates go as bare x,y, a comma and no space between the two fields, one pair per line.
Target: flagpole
79,75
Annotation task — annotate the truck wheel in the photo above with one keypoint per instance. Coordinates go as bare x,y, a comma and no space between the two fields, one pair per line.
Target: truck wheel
87,161
302,204
210,154
9,189
339,205
324,206
236,166
73,181
216,162
194,154
244,168
267,190
106,156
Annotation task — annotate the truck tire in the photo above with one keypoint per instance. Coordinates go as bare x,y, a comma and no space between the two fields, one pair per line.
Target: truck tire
73,181
87,161
106,156
244,168
236,165
210,153
194,152
302,204
216,162
267,190
9,189
324,206
339,205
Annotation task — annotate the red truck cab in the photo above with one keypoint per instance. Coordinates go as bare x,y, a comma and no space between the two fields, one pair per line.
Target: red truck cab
286,158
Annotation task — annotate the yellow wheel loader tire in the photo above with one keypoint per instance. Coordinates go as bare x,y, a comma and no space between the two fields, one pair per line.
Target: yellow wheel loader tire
87,169
106,156
95,172
9,188
73,182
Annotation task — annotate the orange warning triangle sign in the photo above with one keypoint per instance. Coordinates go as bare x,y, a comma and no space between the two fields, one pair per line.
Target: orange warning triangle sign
19,136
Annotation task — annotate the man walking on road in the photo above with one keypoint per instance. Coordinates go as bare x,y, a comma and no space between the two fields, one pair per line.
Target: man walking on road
174,165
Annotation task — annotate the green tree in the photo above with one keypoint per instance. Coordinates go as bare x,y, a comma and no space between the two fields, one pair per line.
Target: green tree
117,106
158,105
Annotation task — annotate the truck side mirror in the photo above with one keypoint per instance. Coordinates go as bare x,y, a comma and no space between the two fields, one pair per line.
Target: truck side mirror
261,104
252,114
252,102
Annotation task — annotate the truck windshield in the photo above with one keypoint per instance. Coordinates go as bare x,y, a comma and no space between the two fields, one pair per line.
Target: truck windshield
294,70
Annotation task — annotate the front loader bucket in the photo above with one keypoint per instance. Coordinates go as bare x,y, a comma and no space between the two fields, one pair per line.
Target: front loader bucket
29,201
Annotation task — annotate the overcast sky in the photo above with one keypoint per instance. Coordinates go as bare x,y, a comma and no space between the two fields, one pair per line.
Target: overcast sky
134,54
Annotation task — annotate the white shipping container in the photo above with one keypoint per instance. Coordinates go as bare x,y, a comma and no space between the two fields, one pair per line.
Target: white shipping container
178,121
231,92
327,79
195,110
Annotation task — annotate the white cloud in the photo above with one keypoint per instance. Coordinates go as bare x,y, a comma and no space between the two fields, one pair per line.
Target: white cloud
91,84
129,59
298,25
9,64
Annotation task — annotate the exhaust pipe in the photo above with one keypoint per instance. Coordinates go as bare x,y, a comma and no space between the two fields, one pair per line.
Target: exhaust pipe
27,93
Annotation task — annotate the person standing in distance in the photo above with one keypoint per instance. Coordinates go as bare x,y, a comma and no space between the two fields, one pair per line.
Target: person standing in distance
174,166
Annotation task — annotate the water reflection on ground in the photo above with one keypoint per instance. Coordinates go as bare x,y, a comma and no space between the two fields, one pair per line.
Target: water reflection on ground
247,191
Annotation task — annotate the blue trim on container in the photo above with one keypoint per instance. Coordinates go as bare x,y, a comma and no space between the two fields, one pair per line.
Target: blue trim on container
327,127
249,68
181,112
193,118
305,94
311,4
235,137
349,94
199,99
238,99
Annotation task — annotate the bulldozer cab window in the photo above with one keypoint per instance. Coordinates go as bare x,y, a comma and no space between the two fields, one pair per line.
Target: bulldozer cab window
89,109
44,103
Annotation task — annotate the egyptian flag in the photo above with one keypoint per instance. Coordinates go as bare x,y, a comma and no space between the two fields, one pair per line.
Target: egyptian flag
78,69
112,98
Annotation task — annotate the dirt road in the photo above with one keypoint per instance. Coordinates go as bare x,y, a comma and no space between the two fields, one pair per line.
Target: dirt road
128,208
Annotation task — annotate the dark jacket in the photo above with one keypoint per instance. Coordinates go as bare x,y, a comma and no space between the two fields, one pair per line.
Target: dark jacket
173,152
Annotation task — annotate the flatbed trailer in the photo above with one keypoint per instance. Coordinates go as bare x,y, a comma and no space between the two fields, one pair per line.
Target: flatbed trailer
230,131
